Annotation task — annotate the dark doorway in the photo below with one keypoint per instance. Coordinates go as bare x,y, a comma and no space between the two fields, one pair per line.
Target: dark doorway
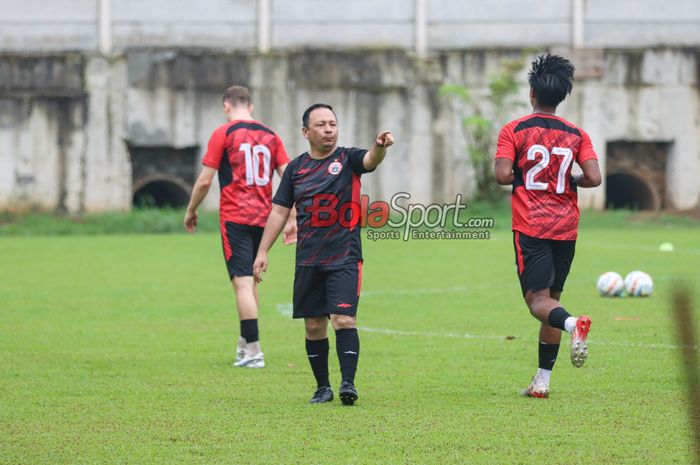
162,176
636,174
624,190
161,193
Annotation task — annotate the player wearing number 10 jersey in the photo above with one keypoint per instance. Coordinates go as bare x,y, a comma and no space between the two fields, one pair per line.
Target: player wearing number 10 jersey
535,154
245,153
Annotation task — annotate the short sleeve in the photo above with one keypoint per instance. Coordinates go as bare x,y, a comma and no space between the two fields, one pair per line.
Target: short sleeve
506,143
281,157
356,160
585,151
216,148
285,192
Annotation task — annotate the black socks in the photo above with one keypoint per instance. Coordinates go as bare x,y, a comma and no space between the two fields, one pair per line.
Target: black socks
347,344
249,330
557,317
547,355
318,358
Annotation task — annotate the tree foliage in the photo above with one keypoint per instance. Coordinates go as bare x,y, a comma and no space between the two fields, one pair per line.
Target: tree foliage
481,120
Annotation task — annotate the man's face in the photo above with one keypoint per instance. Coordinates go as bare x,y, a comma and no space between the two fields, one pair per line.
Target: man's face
322,132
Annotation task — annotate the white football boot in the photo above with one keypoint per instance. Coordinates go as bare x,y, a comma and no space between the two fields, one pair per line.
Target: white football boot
251,361
579,344
536,389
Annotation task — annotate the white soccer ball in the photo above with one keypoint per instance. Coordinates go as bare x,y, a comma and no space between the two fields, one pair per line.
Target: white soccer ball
610,284
639,284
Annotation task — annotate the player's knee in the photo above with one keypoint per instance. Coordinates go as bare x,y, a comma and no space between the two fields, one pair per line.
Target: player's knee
243,284
534,298
343,321
315,327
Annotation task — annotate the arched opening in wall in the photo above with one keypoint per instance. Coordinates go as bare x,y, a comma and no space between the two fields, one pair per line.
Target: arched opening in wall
161,193
636,174
623,190
162,176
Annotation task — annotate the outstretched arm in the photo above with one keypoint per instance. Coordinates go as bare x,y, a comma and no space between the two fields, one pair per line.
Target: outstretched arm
273,227
591,176
199,192
375,155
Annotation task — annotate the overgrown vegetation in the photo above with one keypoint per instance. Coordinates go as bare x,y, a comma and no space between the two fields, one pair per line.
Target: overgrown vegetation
482,117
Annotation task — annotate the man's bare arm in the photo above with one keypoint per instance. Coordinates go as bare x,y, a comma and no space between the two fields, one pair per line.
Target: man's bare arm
591,176
273,227
504,171
199,192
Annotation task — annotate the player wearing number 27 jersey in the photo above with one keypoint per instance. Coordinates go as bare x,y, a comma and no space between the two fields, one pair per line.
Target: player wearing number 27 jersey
535,154
543,148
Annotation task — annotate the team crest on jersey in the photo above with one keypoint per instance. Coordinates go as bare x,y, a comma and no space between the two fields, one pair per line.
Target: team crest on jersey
335,167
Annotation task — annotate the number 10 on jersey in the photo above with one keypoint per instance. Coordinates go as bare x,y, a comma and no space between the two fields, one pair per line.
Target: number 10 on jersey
254,155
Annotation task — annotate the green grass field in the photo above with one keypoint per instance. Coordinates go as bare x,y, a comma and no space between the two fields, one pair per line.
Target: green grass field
118,349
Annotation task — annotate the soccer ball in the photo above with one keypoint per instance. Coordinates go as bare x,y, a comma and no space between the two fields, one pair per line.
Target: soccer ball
639,284
610,284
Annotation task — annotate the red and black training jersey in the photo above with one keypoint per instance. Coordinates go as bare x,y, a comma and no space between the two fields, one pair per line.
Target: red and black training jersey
543,149
326,194
245,153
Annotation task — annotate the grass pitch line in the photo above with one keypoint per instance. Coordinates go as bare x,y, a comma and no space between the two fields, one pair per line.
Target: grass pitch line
395,332
640,247
443,290
286,310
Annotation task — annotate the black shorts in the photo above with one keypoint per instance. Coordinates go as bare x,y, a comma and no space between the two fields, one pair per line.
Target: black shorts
542,263
325,290
240,243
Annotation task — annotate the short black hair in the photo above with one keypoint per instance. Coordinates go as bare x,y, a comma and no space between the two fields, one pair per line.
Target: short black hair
305,117
551,79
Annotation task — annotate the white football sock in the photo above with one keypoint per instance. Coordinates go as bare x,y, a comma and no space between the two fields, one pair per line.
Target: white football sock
253,348
542,376
570,324
241,343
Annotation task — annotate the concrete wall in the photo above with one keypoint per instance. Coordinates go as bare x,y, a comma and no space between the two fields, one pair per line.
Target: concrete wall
38,25
41,25
62,134
66,120
640,24
68,113
653,96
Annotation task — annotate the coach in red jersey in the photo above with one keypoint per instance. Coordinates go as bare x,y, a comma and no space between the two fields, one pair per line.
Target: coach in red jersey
324,185
535,154
244,152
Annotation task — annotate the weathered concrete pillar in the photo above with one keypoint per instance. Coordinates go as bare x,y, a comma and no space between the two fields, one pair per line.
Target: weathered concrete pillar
107,167
683,169
592,120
